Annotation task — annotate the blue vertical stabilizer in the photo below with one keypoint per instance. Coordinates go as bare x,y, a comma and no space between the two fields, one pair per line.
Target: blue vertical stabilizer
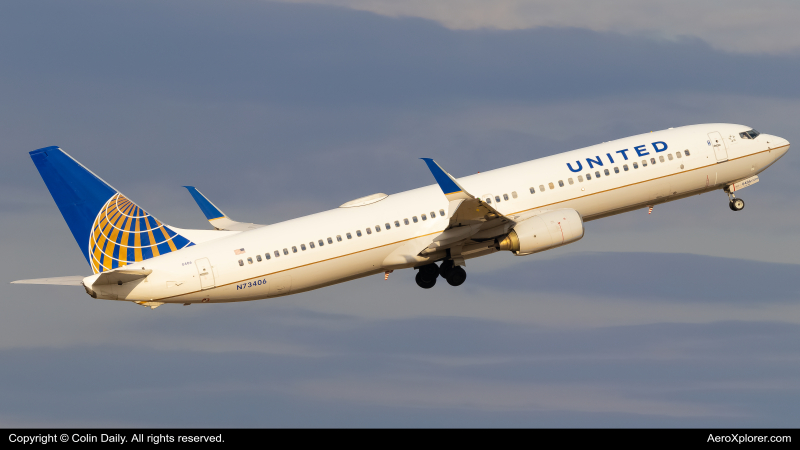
111,230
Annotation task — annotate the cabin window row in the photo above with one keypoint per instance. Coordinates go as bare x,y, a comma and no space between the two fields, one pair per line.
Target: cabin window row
321,242
607,172
497,197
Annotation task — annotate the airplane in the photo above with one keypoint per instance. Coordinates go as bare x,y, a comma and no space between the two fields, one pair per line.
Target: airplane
524,209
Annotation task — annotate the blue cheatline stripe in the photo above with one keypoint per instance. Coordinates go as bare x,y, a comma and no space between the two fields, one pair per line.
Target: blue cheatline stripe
445,182
208,208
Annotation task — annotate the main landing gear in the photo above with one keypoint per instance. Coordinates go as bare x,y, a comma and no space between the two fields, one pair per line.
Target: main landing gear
454,275
736,204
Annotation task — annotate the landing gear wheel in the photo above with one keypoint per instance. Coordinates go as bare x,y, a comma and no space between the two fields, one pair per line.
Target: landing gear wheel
445,268
456,276
737,204
425,282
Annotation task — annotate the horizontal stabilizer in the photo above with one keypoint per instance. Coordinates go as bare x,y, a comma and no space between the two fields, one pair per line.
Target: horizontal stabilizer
215,216
73,280
121,276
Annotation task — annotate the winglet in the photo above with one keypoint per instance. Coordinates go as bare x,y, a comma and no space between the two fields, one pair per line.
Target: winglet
215,216
452,190
209,209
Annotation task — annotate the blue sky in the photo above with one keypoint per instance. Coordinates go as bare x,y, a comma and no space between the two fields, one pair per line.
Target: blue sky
686,317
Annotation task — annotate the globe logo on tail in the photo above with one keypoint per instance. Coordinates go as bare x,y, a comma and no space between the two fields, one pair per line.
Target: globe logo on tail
124,233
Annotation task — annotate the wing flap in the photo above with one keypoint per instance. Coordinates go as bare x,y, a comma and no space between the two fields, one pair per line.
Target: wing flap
469,216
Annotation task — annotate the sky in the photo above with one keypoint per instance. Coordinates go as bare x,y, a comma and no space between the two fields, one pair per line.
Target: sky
687,317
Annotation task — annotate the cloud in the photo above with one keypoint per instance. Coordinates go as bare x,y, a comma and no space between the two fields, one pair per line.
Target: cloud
737,26
277,110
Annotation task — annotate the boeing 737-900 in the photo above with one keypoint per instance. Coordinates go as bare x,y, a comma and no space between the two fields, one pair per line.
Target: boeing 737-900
524,209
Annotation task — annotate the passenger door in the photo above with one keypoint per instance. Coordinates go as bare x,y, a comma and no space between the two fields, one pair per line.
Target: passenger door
718,144
206,273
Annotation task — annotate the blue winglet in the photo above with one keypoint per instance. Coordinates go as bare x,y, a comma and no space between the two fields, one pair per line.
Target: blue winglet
448,185
211,212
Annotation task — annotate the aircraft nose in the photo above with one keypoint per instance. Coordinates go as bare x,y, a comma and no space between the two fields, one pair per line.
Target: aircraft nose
780,142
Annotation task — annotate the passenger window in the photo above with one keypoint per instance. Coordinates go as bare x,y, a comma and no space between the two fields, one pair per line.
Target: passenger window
338,238
294,249
320,242
541,188
303,247
489,200
258,258
653,161
686,152
378,228
405,221
441,212
551,186
580,178
311,244
369,231
625,167
661,158
249,260
513,194
597,174
241,263
350,236
414,218
424,217
358,233
570,181
605,171
286,251
635,165
330,241
267,255
388,226
678,154
505,197
644,163
560,183
433,214
616,169
497,198
277,254
669,156
532,190
588,176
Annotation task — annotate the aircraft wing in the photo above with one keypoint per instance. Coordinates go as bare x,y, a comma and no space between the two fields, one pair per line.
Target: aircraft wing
471,220
216,217
73,280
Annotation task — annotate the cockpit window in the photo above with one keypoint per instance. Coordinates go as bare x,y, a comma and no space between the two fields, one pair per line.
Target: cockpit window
752,134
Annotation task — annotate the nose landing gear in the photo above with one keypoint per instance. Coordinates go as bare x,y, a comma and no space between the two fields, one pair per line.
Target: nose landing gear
736,204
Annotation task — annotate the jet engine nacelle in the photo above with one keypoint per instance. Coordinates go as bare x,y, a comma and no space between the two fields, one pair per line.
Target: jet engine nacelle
543,232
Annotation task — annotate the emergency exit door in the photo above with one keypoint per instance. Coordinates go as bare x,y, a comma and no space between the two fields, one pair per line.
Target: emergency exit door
718,144
206,274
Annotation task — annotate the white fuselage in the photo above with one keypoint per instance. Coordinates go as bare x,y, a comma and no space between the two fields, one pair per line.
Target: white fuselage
176,276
